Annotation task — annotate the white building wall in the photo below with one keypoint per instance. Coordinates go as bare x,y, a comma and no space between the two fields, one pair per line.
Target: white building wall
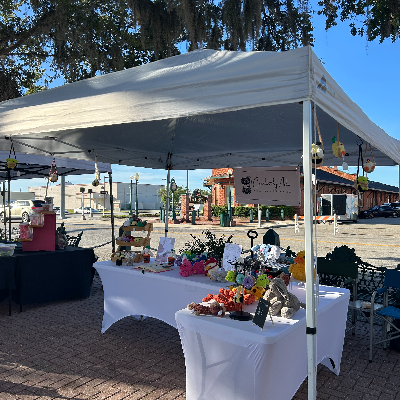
147,195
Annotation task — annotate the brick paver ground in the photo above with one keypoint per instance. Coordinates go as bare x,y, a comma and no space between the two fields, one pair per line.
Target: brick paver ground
56,351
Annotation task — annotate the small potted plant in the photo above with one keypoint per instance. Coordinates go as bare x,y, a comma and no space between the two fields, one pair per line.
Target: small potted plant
11,163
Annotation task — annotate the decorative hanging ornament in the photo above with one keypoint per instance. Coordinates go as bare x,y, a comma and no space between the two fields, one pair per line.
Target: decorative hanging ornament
96,180
317,149
11,162
337,146
53,174
368,165
361,183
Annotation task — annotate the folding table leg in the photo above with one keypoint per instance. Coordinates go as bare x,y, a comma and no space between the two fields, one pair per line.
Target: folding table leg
9,303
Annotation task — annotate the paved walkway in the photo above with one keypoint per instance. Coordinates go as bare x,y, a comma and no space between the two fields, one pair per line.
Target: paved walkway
56,351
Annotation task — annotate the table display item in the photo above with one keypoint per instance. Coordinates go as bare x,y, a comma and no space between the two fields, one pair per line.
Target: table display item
129,241
37,219
261,314
240,315
298,269
281,300
171,258
155,267
212,308
146,253
232,252
165,246
44,235
25,231
7,249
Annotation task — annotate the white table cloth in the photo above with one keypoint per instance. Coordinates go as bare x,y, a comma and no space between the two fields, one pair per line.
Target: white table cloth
159,295
228,359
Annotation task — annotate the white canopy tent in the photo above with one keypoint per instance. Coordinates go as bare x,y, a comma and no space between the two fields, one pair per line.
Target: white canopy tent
38,166
204,109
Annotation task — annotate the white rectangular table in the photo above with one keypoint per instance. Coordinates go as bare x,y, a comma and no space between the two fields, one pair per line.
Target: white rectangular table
159,295
228,359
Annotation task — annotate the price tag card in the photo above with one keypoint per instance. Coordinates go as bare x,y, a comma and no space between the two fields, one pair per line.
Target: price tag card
261,313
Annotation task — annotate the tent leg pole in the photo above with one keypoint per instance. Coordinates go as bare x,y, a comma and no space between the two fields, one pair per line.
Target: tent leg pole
9,204
167,204
112,211
62,205
309,253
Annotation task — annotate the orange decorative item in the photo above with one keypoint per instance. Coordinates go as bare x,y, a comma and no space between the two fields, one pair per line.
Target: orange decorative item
368,165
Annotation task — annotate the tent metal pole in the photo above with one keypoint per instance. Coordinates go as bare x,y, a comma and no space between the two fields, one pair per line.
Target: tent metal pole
62,206
167,204
112,211
309,253
9,203
4,210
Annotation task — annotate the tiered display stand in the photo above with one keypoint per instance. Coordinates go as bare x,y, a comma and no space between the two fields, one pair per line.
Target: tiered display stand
44,236
142,243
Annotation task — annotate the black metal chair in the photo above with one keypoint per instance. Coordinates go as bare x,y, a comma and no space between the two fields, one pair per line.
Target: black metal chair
74,240
386,314
341,274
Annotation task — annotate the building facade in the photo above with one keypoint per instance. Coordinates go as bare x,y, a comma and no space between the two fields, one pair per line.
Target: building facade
147,195
328,180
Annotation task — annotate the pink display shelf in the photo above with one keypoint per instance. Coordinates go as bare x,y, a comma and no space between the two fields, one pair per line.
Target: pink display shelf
43,237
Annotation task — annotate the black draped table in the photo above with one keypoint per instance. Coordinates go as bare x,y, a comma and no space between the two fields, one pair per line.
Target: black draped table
43,276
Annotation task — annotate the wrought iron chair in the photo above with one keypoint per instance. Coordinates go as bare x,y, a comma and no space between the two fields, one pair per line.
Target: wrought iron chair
74,240
387,313
341,274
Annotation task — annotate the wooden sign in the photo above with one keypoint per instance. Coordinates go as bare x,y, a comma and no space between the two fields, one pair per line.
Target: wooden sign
261,313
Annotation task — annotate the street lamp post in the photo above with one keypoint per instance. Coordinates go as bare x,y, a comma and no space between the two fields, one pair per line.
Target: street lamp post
82,190
173,187
136,199
90,191
130,205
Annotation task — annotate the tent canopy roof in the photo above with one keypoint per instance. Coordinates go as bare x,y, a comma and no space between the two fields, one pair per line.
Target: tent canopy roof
203,109
37,166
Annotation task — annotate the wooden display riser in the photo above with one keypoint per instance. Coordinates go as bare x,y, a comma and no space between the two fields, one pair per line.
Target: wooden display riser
44,236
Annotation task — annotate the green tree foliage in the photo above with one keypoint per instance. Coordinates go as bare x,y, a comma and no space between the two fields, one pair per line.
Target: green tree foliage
373,19
41,40
72,39
177,195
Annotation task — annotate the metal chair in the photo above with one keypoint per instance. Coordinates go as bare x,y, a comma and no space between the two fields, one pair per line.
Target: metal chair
74,240
387,313
341,274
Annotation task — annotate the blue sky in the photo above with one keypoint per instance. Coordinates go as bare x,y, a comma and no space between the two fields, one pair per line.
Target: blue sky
366,71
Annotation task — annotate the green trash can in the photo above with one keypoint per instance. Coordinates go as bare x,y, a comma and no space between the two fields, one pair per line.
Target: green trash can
224,219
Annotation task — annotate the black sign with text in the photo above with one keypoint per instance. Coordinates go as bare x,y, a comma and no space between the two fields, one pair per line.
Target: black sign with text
261,313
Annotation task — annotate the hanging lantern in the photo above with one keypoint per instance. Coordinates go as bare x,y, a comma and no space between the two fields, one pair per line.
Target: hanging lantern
53,174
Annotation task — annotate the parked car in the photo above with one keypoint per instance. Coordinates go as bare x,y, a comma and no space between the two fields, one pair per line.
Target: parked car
58,211
21,210
395,204
380,211
86,210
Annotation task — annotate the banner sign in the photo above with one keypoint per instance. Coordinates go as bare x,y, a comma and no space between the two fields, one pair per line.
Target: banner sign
272,186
